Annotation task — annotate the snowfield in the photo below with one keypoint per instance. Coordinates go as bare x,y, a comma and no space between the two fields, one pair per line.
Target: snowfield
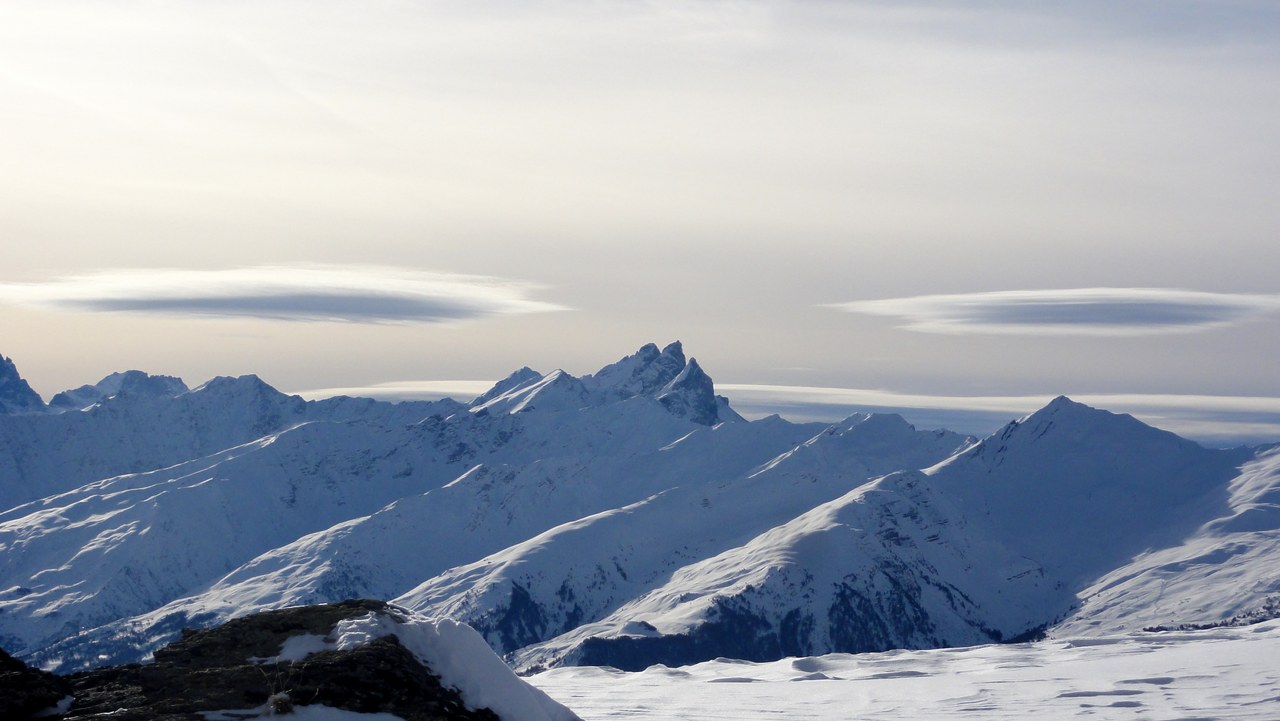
1222,674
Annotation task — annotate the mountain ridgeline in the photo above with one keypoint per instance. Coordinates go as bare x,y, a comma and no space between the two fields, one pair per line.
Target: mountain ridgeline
623,518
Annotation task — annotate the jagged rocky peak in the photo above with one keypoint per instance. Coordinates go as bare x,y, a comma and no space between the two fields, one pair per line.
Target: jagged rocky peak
365,657
643,373
131,383
680,385
691,395
16,395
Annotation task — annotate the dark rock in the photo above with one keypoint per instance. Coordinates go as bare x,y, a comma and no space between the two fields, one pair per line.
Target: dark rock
691,395
733,631
25,691
1270,609
223,668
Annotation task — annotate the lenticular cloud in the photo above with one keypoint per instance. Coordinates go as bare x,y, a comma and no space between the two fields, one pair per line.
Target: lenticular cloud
312,293
1080,311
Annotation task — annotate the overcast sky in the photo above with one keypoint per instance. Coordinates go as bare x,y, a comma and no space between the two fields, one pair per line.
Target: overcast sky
969,200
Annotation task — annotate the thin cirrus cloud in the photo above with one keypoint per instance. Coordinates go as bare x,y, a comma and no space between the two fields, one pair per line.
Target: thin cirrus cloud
1079,311
367,294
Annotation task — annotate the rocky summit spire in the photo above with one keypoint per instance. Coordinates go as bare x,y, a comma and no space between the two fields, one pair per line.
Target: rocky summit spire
16,396
691,395
643,373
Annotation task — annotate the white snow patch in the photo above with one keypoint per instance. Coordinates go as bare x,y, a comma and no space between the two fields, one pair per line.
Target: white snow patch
296,648
1225,674
63,706
463,661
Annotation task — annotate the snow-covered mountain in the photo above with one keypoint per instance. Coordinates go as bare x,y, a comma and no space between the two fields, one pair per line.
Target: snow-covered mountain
151,422
997,542
627,517
133,382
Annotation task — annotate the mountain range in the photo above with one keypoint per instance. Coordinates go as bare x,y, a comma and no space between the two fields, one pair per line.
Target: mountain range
624,518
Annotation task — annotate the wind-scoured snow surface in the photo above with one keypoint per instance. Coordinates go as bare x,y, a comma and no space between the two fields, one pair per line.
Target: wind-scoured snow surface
1222,674
625,518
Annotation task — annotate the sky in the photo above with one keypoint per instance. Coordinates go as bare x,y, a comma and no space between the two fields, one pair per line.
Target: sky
952,208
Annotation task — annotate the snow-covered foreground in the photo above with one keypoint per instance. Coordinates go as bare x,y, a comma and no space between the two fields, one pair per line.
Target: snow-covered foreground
1227,673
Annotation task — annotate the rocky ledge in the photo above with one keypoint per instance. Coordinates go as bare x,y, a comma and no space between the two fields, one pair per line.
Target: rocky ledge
357,656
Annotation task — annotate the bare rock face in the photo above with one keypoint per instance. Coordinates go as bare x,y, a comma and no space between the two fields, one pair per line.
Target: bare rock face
15,395
235,667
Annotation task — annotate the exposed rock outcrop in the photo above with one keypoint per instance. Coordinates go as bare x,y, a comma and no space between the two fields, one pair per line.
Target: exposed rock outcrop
336,655
26,692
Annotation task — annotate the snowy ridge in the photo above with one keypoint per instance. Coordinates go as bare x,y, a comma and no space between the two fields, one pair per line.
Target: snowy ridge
579,572
131,432
1226,567
995,543
884,566
133,382
627,518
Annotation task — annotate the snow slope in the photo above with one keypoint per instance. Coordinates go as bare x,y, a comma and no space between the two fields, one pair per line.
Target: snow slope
994,543
1226,567
127,544
1222,674
579,572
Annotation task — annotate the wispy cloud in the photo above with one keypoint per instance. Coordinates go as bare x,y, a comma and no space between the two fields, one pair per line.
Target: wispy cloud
360,294
1078,311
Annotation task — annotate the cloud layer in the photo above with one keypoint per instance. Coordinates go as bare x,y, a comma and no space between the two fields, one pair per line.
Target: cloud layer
1079,311
366,294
